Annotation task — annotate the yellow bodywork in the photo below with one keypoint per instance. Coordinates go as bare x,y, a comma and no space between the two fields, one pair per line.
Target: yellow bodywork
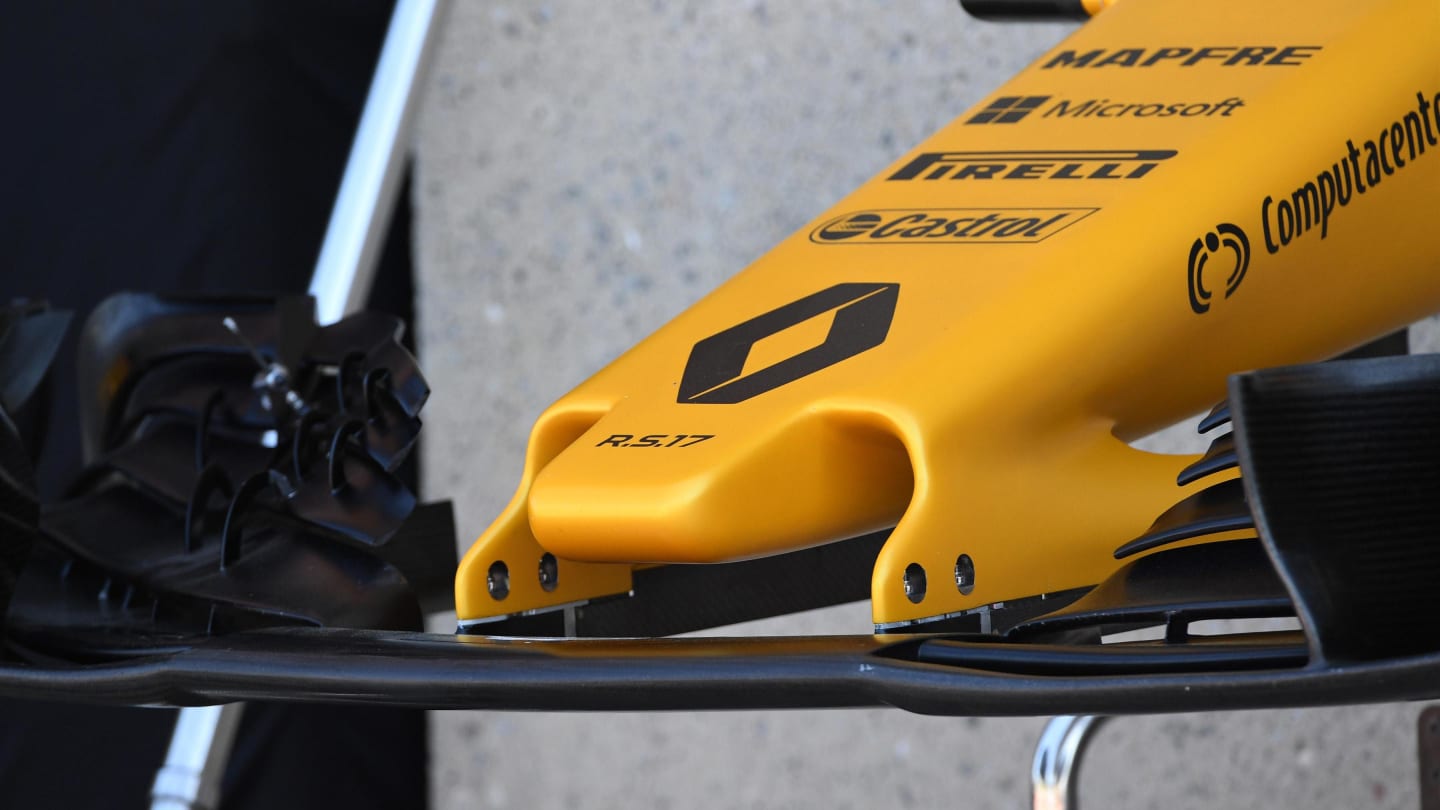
962,347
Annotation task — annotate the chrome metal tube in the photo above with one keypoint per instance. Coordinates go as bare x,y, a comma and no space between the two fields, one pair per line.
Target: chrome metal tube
203,736
1055,772
359,220
199,748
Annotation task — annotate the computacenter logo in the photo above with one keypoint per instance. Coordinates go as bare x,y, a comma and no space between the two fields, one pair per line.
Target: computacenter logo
1014,109
947,226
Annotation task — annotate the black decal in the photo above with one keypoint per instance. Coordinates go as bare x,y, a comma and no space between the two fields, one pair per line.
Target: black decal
1125,57
1354,155
1072,59
1162,54
1108,109
1007,109
947,226
1315,203
1062,164
1215,55
1225,235
1251,55
661,440
846,227
862,319
1210,53
1287,56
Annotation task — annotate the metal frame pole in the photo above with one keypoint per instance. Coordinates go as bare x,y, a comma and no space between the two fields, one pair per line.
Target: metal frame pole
356,233
203,736
1055,772
199,748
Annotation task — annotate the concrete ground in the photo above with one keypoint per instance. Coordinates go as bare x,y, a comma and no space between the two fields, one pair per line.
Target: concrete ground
586,170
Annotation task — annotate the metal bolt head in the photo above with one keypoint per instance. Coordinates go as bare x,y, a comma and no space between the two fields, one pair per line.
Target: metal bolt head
914,582
965,574
275,376
549,572
497,580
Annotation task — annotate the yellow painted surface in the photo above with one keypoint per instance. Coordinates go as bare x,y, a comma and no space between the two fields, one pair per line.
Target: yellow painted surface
1025,296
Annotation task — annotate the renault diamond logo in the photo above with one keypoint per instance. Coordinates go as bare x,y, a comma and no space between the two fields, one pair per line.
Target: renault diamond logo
715,372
